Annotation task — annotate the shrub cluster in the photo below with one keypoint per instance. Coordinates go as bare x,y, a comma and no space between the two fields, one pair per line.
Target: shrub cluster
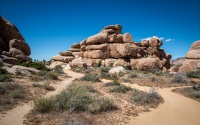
179,78
43,75
151,98
74,98
90,77
194,74
37,65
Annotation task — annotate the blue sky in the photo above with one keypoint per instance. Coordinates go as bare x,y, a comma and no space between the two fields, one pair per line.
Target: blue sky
51,26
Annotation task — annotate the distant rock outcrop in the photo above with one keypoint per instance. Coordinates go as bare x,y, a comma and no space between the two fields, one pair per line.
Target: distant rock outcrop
192,62
111,47
12,43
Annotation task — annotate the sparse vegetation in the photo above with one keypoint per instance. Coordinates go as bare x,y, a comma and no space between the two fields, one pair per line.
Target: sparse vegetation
179,78
132,74
43,75
4,76
101,105
9,93
156,71
194,74
58,70
191,92
113,83
120,89
90,77
74,98
43,104
34,64
151,98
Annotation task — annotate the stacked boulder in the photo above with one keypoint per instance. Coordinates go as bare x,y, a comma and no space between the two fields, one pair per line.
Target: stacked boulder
12,44
192,62
69,55
112,48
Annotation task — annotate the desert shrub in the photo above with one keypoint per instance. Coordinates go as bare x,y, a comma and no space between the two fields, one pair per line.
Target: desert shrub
58,70
43,75
120,89
148,98
153,78
194,74
7,86
113,83
135,92
17,94
5,78
37,65
43,104
105,69
156,71
179,78
47,87
10,91
89,88
195,94
90,77
101,105
132,74
74,98
121,74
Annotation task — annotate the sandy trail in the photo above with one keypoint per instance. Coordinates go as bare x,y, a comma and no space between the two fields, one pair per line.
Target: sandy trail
16,115
176,110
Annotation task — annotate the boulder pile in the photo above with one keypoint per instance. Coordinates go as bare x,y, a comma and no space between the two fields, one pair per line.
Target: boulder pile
192,62
112,48
12,44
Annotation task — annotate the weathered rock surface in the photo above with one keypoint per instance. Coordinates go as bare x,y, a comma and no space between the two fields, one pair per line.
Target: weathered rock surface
192,62
117,70
110,47
22,69
12,43
65,59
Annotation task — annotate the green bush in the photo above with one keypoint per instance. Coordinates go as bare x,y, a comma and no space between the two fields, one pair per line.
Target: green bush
156,71
105,69
89,88
113,83
37,65
5,78
43,75
194,74
132,75
17,94
179,78
58,70
120,89
43,104
74,98
101,105
90,77
135,92
148,98
196,94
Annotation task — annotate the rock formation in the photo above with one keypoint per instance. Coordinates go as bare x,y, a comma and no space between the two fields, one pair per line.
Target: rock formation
112,48
12,43
192,62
